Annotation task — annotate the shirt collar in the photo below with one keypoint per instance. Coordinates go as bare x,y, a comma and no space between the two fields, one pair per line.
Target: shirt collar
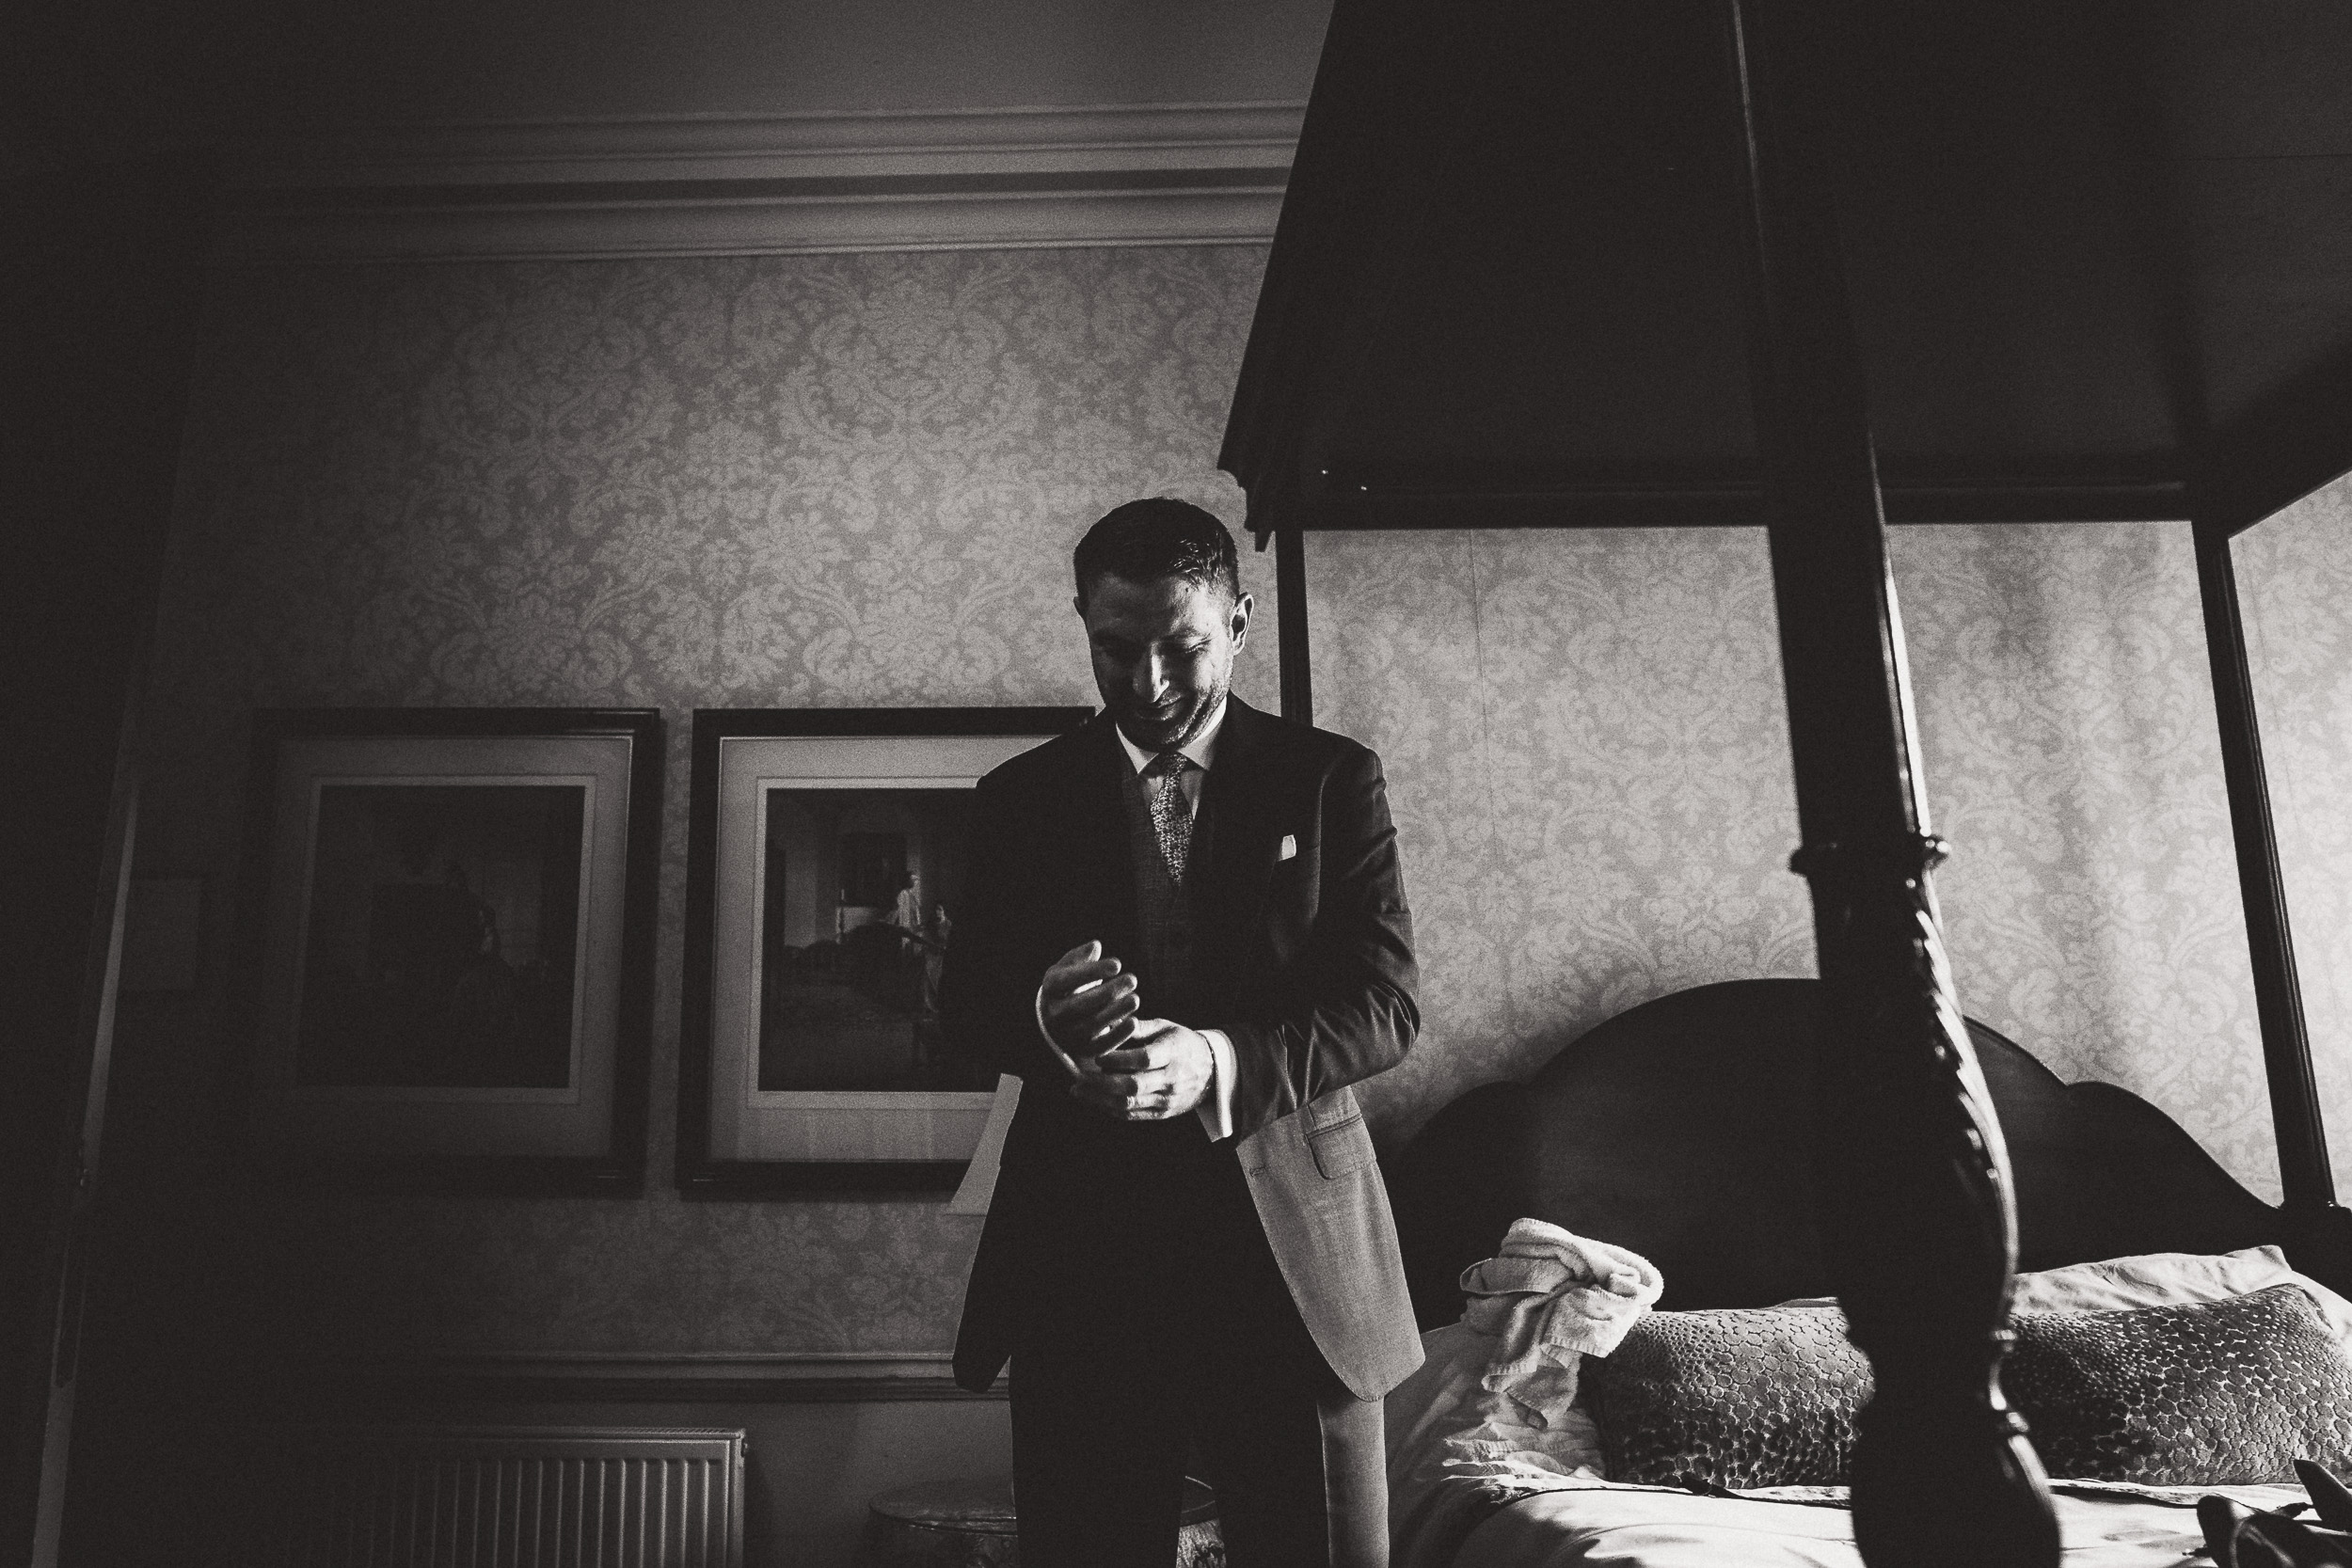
1200,751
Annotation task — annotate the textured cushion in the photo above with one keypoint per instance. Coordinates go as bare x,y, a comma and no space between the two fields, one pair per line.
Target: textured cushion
2202,1394
1754,1398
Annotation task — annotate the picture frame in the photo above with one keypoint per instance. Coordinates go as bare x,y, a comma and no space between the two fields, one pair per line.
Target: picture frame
824,855
448,939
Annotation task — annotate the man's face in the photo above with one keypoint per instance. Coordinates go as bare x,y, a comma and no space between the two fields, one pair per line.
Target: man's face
1162,653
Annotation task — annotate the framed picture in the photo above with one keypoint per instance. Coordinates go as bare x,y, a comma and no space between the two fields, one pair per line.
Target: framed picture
826,855
450,945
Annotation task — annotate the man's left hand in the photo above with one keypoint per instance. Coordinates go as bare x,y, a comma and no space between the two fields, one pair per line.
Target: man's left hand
1163,1072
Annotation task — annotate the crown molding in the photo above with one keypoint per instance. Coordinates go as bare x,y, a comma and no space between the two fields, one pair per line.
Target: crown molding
864,144
719,185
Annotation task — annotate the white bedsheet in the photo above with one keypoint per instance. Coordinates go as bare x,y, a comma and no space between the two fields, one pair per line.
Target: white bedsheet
1492,1414
1628,1528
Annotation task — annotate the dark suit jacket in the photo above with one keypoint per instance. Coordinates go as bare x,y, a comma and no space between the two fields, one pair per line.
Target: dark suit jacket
1306,962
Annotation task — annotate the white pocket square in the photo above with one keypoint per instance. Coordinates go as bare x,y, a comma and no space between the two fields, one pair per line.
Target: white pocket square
1290,847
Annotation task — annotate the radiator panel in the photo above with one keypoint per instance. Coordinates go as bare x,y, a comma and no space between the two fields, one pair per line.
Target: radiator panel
493,1498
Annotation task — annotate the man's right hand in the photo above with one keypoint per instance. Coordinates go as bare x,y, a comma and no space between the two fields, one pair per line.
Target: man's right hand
1087,1005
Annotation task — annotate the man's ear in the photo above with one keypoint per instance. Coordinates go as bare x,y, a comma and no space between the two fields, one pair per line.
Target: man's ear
1239,623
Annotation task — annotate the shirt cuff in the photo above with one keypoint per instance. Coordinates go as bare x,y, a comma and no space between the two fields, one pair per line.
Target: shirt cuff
1215,1109
1037,1007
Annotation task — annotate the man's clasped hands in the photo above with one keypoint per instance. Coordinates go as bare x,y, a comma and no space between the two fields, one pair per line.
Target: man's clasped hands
1129,1067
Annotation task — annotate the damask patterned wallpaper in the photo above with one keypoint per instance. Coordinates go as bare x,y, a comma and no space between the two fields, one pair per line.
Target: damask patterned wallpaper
1587,739
854,480
2074,759
1589,763
837,482
2296,586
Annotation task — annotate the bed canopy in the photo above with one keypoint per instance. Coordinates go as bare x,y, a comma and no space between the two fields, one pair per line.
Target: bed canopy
1828,265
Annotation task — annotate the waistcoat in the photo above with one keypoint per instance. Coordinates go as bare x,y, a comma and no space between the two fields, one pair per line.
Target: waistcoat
1164,915
1163,912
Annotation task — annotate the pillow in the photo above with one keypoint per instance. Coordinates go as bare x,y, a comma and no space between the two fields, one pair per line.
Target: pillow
1758,1397
2198,1394
2151,1279
2205,1394
2144,1279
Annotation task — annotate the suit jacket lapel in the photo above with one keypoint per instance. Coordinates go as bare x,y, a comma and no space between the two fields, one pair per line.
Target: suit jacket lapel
1233,846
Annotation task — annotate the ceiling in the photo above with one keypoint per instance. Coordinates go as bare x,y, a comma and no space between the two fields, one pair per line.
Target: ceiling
112,78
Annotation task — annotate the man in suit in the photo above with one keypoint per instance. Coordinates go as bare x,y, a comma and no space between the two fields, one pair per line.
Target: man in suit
1187,935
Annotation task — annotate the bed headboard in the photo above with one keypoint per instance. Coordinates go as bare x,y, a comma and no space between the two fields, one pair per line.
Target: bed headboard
1682,1129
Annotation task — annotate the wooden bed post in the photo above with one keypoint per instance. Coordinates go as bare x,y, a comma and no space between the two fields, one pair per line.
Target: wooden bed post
1915,1202
2321,1238
1290,602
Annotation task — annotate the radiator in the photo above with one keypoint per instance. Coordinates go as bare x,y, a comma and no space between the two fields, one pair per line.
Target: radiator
492,1497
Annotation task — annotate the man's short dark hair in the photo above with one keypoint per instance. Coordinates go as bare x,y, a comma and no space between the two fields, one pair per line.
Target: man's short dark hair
1159,537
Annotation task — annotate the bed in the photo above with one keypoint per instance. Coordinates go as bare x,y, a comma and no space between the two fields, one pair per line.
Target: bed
1681,1131
1831,264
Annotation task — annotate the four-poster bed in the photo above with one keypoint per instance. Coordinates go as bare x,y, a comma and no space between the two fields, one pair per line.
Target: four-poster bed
1827,265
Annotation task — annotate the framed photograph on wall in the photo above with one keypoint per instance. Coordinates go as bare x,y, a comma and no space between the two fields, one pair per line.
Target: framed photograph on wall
450,945
826,852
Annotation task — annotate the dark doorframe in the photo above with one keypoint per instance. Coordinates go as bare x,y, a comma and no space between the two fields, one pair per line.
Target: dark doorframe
98,307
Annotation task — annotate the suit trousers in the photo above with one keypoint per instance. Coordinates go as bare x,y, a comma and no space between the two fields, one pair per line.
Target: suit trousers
1171,1343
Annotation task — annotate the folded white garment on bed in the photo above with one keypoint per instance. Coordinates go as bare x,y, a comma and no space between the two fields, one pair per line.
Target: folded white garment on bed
1494,1401
1550,1297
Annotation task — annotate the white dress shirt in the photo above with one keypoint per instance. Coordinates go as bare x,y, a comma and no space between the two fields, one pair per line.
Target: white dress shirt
1215,1109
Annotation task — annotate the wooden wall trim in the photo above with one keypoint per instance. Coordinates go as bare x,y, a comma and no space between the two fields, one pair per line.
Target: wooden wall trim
1168,174
686,1377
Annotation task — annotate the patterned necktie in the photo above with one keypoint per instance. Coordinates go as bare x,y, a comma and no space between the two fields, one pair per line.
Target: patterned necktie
1171,817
